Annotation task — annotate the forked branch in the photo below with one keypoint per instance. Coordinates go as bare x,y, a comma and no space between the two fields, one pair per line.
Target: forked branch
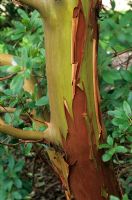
32,3
40,5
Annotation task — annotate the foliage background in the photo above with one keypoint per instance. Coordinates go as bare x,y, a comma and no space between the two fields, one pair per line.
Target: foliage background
22,35
115,71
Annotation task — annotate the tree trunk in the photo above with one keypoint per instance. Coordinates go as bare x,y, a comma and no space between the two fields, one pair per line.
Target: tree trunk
75,128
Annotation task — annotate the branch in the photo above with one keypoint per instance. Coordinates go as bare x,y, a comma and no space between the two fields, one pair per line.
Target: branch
37,4
10,145
49,135
20,142
31,3
41,5
2,121
6,109
23,134
115,54
7,77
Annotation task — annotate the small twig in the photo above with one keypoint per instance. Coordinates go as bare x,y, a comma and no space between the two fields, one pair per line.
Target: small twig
32,118
17,3
6,139
6,109
121,52
7,77
10,145
128,61
117,55
50,186
21,142
32,141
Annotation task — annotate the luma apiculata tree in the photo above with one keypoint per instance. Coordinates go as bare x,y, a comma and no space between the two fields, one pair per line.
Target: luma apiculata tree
75,127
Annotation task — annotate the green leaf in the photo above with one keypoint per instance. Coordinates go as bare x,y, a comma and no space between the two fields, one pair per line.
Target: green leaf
18,183
24,56
108,154
123,124
35,92
17,36
125,197
19,165
129,138
9,185
126,75
10,69
11,162
116,134
42,128
127,109
17,84
113,198
23,14
43,101
110,140
130,97
27,149
8,92
116,113
17,195
8,118
106,157
3,194
109,76
14,69
104,146
16,118
121,149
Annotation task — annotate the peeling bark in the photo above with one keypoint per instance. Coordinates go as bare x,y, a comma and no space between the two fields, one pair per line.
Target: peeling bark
78,42
71,38
87,176
86,173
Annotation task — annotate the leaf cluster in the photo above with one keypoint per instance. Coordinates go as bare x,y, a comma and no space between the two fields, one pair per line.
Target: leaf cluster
24,39
115,74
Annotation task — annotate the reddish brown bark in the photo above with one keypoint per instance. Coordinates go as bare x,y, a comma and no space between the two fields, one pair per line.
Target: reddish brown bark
89,178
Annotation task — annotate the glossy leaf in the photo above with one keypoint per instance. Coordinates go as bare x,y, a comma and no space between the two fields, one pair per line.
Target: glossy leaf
127,109
43,101
121,149
110,140
16,84
114,198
